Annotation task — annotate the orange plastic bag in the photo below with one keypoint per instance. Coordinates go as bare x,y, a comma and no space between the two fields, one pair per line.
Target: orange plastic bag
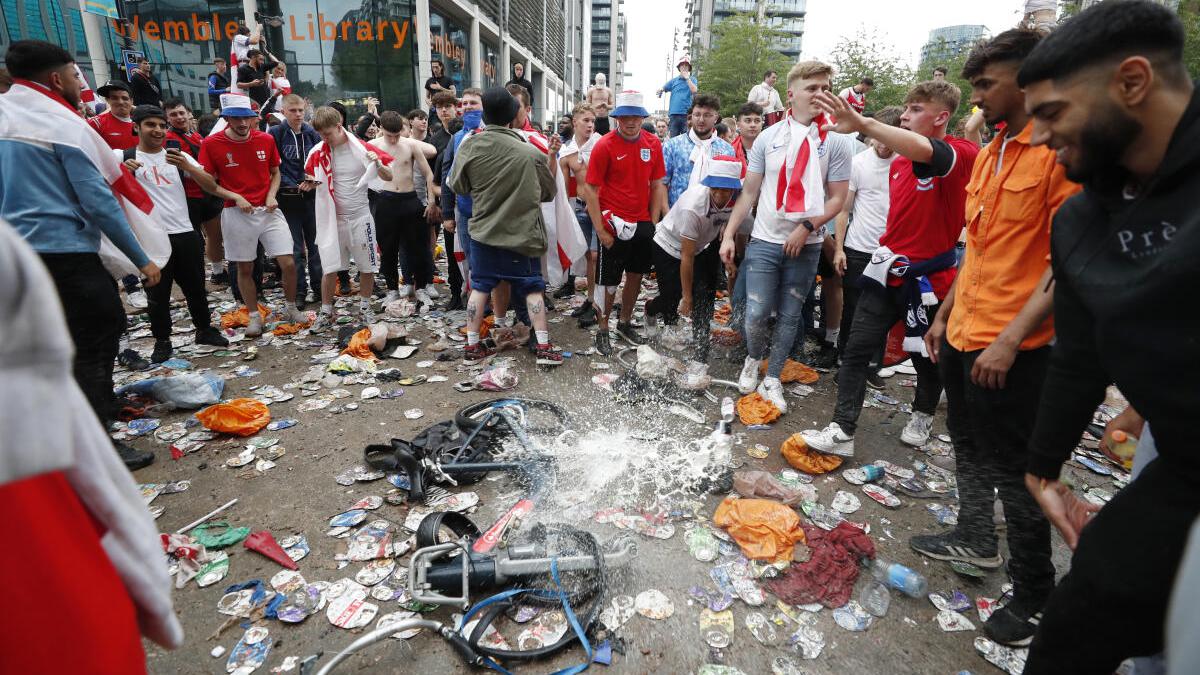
794,372
289,328
754,409
764,529
799,455
240,317
358,347
484,328
240,417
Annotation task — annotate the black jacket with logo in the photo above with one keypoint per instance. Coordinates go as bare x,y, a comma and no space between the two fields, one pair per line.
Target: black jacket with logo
1127,308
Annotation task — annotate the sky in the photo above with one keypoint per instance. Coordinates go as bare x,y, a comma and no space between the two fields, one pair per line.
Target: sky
905,25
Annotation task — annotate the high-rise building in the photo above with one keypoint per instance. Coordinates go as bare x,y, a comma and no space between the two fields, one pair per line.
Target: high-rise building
785,15
609,42
949,41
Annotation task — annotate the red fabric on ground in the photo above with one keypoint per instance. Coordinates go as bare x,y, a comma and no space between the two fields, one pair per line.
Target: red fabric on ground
67,607
829,575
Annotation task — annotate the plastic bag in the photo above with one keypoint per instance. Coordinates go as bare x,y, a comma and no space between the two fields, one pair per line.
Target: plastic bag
794,372
764,485
359,346
240,417
764,529
654,366
754,409
188,390
240,317
799,455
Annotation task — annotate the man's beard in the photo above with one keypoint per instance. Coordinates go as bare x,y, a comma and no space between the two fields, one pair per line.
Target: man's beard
1102,144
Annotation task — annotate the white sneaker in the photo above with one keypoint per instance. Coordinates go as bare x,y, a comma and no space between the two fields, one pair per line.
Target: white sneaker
368,316
696,377
905,368
830,440
310,297
424,300
916,432
749,376
296,315
651,326
255,329
885,373
391,297
138,299
405,290
772,390
323,321
432,292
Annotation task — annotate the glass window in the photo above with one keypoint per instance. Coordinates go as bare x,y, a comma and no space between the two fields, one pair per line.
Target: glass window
448,42
488,63
12,20
34,26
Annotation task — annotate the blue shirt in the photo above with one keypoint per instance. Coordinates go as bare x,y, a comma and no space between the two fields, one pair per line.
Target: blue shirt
59,202
677,153
293,150
681,94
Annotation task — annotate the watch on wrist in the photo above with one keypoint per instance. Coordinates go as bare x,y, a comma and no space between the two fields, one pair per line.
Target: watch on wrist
808,225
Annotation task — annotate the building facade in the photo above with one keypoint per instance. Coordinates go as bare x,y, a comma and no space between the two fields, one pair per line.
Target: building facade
949,41
345,50
608,42
784,15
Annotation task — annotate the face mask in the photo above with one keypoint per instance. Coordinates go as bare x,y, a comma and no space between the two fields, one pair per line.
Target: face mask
472,119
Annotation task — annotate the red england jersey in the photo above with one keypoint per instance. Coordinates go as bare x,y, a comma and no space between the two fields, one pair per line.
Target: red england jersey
243,167
118,134
623,170
187,141
927,209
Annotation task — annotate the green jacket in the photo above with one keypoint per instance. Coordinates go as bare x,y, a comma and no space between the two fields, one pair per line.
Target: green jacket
507,179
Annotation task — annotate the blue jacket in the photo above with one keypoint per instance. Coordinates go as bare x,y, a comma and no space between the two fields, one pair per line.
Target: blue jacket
59,203
681,95
463,202
293,150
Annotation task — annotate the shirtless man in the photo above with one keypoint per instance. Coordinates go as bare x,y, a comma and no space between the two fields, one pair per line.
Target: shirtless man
573,160
600,98
399,215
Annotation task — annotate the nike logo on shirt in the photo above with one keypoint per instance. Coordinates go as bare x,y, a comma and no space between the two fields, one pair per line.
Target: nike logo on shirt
621,157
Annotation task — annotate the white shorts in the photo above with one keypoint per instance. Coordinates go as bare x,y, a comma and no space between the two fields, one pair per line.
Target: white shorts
356,241
242,232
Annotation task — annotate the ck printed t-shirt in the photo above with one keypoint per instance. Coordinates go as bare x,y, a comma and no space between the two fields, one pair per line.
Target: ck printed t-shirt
164,184
623,170
243,167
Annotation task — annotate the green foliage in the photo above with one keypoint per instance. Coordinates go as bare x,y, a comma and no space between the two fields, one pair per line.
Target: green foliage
741,52
1189,14
954,64
868,55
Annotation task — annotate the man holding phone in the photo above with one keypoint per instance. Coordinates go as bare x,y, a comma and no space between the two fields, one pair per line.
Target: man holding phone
295,139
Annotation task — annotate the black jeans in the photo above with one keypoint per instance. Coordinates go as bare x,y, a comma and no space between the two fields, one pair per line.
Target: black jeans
402,232
990,429
856,262
878,310
300,211
186,268
95,319
454,276
705,269
1113,603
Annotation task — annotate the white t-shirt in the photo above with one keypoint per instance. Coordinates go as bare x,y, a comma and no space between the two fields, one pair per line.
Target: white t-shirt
240,46
769,156
164,184
692,217
869,183
766,96
348,170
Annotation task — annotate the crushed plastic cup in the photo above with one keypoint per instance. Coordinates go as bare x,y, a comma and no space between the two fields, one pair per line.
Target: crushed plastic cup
946,515
394,618
251,651
762,629
620,610
213,571
654,604
808,642
894,470
348,607
286,423
375,571
414,413
716,627
881,495
955,601
702,544
844,502
853,617
369,503
966,569
1008,659
296,546
875,598
547,629
348,519
985,607
951,622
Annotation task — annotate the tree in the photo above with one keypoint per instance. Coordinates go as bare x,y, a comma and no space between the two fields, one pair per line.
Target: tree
954,62
1189,14
741,51
868,55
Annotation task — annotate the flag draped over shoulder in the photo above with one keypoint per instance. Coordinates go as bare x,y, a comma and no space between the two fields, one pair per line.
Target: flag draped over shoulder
566,245
319,165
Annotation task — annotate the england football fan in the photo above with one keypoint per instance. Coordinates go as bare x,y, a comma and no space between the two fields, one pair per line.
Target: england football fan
766,97
573,159
856,95
681,88
294,139
687,155
218,83
399,216
115,125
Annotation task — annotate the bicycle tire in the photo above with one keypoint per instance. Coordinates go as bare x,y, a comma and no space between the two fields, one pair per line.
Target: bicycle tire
467,422
430,526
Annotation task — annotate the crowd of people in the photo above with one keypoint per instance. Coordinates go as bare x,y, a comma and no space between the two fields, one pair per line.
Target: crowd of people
1029,272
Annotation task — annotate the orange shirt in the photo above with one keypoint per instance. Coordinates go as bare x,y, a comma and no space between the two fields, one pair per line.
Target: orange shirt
1008,240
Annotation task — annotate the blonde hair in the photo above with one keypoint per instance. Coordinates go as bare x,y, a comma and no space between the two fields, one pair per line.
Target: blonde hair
581,109
291,99
943,92
806,70
326,117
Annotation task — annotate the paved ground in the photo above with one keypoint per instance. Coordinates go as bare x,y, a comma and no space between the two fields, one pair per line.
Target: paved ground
299,495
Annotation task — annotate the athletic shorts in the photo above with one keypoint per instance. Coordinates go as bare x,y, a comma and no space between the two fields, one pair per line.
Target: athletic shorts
243,232
203,209
356,241
825,267
490,265
635,255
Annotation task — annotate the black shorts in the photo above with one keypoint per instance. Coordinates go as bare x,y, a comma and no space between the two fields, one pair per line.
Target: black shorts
634,255
203,209
825,267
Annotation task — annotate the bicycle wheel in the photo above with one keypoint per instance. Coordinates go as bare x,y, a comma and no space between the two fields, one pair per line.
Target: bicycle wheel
540,416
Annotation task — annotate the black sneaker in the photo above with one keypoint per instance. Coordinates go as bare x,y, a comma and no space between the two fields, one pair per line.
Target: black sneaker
566,290
211,336
603,343
133,458
627,333
1014,624
582,309
133,360
162,351
874,381
826,358
220,278
455,304
588,318
948,546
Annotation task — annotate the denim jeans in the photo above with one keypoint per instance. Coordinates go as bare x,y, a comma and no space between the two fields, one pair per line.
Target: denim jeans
776,283
299,209
677,125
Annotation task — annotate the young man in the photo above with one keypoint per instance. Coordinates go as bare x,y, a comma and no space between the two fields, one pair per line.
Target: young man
245,162
573,159
343,165
766,97
915,265
661,129
867,201
399,215
856,96
456,208
161,172
626,170
445,107
254,76
1109,93
687,260
805,171
681,88
687,155
60,202
115,125
145,86
518,77
997,330
507,179
218,83
939,74
600,98
204,209
437,83
294,140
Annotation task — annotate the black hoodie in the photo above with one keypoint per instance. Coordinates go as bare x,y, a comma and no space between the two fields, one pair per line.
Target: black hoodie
1127,309
521,81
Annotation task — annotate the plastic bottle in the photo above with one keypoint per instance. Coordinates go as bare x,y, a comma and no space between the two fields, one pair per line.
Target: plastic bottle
722,443
1122,446
875,598
727,410
900,578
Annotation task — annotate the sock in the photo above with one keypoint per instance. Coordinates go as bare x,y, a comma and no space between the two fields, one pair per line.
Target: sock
255,314
327,309
510,321
543,337
831,335
472,338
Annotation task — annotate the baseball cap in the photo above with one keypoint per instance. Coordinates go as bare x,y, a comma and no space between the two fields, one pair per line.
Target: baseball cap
142,112
114,84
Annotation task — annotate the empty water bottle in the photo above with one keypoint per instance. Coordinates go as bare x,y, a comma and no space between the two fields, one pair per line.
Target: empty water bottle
727,409
875,598
900,578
